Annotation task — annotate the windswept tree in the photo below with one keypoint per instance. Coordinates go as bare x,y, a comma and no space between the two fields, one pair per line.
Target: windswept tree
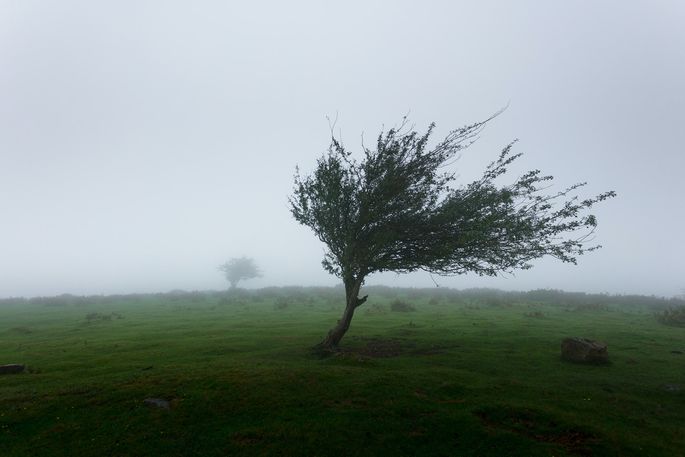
396,209
239,268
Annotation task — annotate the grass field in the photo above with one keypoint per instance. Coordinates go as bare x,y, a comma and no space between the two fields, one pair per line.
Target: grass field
476,375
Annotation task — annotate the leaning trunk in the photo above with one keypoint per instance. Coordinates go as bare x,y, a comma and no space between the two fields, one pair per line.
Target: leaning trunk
332,340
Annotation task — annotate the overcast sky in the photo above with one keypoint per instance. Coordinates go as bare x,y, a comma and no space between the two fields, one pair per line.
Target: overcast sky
143,143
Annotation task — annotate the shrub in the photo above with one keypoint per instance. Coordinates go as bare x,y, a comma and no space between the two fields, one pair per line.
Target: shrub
497,302
401,307
60,300
282,302
435,301
672,316
535,314
591,307
231,301
375,308
94,317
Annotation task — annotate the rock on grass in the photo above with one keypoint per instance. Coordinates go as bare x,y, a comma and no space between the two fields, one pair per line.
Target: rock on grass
158,403
583,350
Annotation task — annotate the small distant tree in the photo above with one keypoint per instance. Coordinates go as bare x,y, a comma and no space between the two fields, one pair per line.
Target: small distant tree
239,268
396,210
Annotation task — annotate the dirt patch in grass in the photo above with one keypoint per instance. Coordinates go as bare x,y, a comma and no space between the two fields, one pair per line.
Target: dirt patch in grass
382,347
100,317
20,330
434,349
377,347
247,438
540,427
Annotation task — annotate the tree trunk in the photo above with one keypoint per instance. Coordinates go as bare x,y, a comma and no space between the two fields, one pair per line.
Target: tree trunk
332,340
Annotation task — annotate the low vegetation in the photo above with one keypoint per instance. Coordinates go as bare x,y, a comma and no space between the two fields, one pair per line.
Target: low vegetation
229,373
672,316
401,306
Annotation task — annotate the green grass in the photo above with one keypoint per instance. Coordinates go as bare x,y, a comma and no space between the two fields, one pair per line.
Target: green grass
455,377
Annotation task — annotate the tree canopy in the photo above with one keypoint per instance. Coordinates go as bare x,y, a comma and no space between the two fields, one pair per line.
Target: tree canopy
239,268
396,209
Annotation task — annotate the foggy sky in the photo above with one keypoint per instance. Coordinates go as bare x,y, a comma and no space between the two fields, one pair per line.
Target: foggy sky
143,143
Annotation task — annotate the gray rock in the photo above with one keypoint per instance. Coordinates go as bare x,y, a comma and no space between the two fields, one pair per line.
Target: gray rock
11,368
583,350
158,402
672,387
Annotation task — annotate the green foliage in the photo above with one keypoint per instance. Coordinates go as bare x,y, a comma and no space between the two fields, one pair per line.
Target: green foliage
238,269
397,210
672,316
282,303
401,306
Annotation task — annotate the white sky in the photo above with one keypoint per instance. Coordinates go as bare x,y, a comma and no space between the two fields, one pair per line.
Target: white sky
143,143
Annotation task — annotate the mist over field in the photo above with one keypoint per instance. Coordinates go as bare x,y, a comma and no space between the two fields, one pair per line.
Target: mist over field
142,144
328,228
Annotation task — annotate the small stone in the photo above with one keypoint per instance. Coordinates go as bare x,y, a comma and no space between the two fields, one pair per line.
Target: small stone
11,368
157,402
672,387
583,350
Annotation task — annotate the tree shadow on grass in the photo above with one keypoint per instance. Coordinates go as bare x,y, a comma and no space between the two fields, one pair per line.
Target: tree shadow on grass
378,348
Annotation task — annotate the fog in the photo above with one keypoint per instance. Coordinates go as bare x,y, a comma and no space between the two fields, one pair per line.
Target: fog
143,144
